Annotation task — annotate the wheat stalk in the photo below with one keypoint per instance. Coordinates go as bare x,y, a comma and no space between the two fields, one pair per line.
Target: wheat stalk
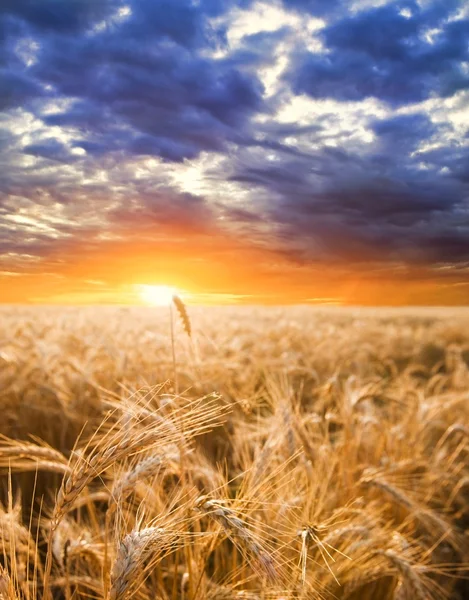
184,316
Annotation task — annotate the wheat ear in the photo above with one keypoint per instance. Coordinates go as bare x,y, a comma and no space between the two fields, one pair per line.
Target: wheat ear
183,314
133,551
237,529
125,484
408,574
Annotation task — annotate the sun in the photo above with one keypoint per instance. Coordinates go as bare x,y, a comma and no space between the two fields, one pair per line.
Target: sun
157,295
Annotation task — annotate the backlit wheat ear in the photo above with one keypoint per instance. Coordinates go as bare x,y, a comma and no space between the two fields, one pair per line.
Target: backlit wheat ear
183,314
410,579
26,456
132,554
237,530
147,467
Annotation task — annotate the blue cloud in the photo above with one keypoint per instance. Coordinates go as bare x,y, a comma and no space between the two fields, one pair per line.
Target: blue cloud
154,85
17,89
168,149
404,133
183,22
318,8
68,17
349,205
50,149
383,53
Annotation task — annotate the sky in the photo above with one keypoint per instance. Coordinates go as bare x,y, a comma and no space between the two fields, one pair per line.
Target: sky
289,151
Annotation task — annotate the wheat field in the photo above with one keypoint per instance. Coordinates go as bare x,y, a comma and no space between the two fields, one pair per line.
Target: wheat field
282,453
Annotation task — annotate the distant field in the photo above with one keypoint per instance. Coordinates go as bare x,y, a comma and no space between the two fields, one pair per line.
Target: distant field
287,453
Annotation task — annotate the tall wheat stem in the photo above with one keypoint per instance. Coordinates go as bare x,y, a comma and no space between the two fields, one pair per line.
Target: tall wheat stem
173,349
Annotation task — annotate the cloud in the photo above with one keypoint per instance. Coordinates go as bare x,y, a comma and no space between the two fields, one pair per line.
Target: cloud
185,102
53,16
16,89
398,53
137,68
390,199
406,131
317,8
50,149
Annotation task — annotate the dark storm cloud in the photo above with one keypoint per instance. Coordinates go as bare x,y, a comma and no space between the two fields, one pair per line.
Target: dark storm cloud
53,16
50,149
168,149
409,130
143,71
105,85
84,115
454,160
187,103
349,206
370,223
383,53
17,89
